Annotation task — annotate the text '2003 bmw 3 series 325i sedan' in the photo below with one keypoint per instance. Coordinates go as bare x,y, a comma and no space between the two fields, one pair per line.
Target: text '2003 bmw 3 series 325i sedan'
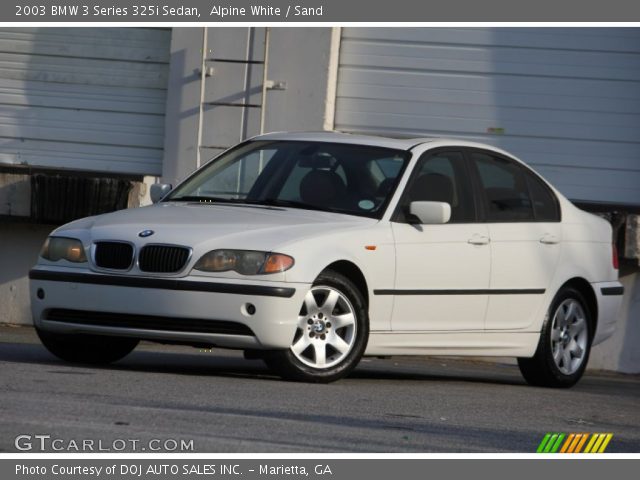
310,250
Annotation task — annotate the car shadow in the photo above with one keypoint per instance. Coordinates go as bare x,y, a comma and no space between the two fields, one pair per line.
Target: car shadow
208,363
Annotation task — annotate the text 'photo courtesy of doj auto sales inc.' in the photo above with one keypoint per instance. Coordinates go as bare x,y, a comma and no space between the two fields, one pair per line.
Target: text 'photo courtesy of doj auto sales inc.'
151,470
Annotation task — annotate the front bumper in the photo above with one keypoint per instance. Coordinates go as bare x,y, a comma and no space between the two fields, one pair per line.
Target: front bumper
609,298
192,309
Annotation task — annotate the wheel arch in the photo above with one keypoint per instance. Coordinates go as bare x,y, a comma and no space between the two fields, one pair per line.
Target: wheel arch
353,273
585,288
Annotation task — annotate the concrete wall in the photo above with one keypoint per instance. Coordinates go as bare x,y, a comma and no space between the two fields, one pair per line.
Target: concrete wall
183,103
305,59
622,351
19,247
301,57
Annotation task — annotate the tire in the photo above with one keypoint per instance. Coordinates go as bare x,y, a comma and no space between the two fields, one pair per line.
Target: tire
329,341
91,349
565,343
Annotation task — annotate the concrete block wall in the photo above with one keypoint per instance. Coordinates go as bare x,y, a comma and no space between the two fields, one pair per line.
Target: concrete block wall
621,353
19,247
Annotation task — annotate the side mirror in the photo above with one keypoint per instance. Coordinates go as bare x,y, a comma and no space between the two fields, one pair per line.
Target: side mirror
159,191
431,213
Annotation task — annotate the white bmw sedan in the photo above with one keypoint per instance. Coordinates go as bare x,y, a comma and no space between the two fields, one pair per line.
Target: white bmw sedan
310,250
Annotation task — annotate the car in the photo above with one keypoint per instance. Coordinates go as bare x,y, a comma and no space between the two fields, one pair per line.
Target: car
312,250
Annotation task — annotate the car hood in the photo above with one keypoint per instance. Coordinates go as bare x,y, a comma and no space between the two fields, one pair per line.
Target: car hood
212,225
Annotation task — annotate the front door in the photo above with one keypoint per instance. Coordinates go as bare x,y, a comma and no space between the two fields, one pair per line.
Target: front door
442,271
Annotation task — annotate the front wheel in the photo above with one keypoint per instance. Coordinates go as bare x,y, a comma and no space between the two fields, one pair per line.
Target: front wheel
331,334
565,343
81,348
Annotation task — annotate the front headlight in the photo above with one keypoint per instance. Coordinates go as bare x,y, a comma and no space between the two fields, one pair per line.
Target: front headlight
245,262
62,248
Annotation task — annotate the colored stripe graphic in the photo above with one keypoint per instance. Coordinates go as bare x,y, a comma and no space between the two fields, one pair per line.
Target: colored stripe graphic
543,443
582,442
570,438
550,443
606,441
592,441
556,446
574,442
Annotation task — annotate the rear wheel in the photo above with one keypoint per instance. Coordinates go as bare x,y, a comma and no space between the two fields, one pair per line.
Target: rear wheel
81,348
565,343
332,333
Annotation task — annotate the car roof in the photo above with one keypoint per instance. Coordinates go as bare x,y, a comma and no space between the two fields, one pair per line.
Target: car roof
372,140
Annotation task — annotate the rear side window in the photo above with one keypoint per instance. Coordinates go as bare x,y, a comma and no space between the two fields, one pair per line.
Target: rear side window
545,203
505,189
512,193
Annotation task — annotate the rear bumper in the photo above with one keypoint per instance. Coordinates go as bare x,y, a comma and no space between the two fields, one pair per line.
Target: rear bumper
193,309
609,298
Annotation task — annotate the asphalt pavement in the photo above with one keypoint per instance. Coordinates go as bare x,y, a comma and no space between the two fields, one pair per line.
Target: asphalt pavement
160,397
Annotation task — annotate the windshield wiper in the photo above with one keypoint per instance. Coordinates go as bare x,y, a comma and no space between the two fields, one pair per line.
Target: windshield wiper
205,199
229,201
294,204
269,202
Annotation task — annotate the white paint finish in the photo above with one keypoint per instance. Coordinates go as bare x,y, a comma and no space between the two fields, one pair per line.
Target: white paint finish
431,213
83,99
272,322
520,261
19,247
317,239
566,98
474,343
440,257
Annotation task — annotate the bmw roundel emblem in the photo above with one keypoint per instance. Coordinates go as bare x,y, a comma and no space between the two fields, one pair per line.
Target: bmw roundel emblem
146,233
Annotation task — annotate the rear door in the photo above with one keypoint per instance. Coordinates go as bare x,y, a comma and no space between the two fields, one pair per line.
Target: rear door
523,218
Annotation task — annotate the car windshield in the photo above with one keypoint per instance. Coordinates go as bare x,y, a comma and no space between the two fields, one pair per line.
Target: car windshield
334,177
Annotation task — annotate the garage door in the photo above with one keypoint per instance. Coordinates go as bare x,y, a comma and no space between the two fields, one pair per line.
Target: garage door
567,101
88,99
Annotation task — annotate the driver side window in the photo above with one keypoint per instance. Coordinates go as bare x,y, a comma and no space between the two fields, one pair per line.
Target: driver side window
442,177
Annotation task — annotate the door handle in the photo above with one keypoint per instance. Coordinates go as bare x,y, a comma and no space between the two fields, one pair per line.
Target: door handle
549,239
478,240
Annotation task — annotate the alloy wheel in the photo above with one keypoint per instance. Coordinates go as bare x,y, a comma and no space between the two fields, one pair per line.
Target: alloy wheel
326,330
569,336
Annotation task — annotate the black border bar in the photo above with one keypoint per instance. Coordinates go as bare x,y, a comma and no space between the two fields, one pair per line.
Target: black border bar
610,291
522,291
162,283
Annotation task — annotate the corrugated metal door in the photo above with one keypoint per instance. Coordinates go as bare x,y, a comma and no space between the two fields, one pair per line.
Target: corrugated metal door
83,98
566,100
